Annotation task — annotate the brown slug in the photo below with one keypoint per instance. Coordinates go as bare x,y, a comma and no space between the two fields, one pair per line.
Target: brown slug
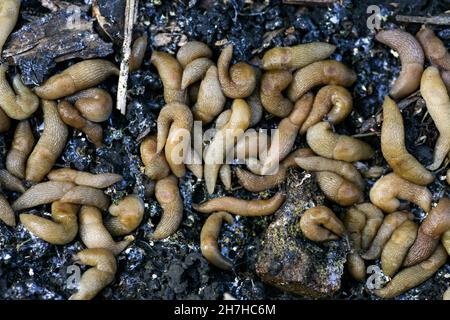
6,212
81,178
126,215
86,196
5,122
338,189
445,239
374,219
10,182
354,222
320,224
195,71
94,104
272,99
137,54
225,176
156,166
21,147
9,13
254,101
434,48
193,50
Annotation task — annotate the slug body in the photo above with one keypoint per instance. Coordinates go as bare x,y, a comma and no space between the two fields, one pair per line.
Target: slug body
10,182
354,222
434,48
86,196
81,178
20,103
295,57
6,212
208,240
237,81
80,76
94,104
387,191
191,51
195,71
63,227
338,189
138,53
446,241
21,147
254,101
394,149
5,122
330,145
437,99
320,73
156,166
101,274
170,72
94,234
272,99
435,224
320,224
168,196
126,215
225,176
50,145
9,13
374,219
411,58
252,208
332,103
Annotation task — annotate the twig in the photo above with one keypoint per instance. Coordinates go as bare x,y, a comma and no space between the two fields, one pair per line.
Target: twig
130,15
442,19
310,2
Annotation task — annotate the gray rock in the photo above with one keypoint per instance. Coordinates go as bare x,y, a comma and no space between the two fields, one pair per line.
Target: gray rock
291,262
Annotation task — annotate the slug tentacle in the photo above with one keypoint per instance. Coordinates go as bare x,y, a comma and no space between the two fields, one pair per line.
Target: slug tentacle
86,196
437,100
20,103
191,51
126,215
61,229
387,191
434,48
138,53
295,57
339,189
95,235
208,240
6,212
332,103
413,276
21,147
272,99
50,145
237,81
94,104
9,13
241,207
81,178
330,145
156,166
320,73
168,196
195,71
10,182
411,58
391,222
394,149
101,274
170,72
80,76
435,224
320,224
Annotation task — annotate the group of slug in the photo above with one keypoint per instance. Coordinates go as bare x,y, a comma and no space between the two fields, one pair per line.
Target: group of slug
296,84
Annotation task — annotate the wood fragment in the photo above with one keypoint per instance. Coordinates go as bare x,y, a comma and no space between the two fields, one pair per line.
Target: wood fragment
131,10
439,20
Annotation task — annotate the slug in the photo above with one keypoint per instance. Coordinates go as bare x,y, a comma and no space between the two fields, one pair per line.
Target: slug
256,183
86,196
170,72
80,76
42,193
387,191
320,73
395,250
174,125
72,117
210,100
320,224
195,71
411,58
252,144
391,222
21,147
342,168
413,276
295,57
251,208
432,228
254,101
6,212
168,196
137,53
224,139
94,104
9,13
225,176
81,178
156,166
446,240
272,99
323,141
191,51
99,276
354,222
374,219
5,122
20,103
61,229
445,75
437,100
94,234
237,81
332,103
208,240
10,182
339,189
434,48
50,145
394,150
126,215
